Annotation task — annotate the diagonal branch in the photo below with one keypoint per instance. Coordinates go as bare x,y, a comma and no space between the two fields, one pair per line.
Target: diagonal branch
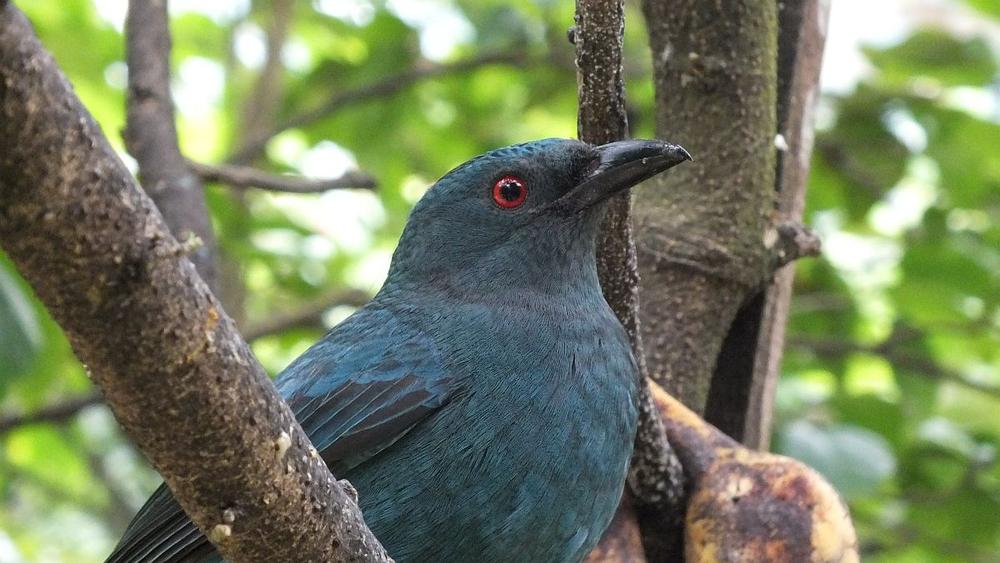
307,313
170,362
380,89
54,413
248,177
151,134
838,348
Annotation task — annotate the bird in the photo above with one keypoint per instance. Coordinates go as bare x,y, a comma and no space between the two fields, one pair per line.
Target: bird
484,403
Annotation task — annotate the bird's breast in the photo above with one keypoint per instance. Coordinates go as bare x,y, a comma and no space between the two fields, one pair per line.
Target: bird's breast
529,458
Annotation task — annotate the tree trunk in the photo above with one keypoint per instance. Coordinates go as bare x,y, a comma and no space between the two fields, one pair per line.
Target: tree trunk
741,398
702,232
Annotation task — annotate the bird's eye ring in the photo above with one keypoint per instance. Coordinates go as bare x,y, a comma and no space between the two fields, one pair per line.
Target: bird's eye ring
510,192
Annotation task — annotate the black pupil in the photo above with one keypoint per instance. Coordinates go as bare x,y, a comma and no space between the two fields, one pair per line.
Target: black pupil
511,190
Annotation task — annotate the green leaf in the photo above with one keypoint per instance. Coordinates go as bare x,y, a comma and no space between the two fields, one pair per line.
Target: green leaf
937,55
20,333
855,460
988,7
965,150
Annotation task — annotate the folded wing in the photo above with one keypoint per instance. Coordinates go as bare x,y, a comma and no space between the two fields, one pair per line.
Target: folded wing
355,392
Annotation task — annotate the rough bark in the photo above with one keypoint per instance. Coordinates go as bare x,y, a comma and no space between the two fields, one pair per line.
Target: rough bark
151,135
700,231
741,399
655,478
170,363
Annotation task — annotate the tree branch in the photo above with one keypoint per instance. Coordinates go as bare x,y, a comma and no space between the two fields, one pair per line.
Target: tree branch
699,229
169,361
308,313
56,413
248,177
380,89
151,135
838,348
262,105
791,240
655,477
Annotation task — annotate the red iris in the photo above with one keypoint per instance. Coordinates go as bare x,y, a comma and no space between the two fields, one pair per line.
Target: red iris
509,192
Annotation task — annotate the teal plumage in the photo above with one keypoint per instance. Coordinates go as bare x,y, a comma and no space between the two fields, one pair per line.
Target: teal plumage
483,404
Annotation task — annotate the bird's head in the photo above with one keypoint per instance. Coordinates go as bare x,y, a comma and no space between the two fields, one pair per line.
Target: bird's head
522,216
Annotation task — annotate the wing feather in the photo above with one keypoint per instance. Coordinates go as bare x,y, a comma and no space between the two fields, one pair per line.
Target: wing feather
355,393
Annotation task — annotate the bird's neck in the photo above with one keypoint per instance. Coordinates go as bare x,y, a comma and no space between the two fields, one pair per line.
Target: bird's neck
544,266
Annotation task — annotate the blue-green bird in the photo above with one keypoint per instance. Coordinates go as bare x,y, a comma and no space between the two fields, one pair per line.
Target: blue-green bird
483,404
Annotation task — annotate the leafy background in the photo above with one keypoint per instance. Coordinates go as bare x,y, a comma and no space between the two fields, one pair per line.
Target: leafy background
891,382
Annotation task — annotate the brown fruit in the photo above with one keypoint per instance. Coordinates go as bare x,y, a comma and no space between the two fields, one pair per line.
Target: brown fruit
748,506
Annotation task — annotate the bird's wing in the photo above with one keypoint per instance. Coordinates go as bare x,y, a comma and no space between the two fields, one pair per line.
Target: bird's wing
356,392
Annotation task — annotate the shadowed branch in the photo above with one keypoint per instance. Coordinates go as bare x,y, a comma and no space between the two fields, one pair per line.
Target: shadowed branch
55,413
655,476
151,135
379,89
241,177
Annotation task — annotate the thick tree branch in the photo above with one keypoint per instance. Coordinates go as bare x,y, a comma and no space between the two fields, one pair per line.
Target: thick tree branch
171,365
248,177
741,399
655,477
151,135
55,413
380,89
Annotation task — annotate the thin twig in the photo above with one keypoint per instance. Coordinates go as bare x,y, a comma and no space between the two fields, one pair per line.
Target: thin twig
308,313
836,348
241,177
55,413
382,88
655,476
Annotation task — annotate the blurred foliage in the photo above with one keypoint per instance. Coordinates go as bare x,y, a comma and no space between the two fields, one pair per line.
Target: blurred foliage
892,375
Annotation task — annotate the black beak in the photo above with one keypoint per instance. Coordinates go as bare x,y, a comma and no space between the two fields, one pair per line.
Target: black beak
621,165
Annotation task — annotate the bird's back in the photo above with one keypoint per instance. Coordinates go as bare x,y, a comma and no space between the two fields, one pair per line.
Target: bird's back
472,431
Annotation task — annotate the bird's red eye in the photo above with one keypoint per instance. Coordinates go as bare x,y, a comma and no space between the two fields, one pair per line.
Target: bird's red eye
509,192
